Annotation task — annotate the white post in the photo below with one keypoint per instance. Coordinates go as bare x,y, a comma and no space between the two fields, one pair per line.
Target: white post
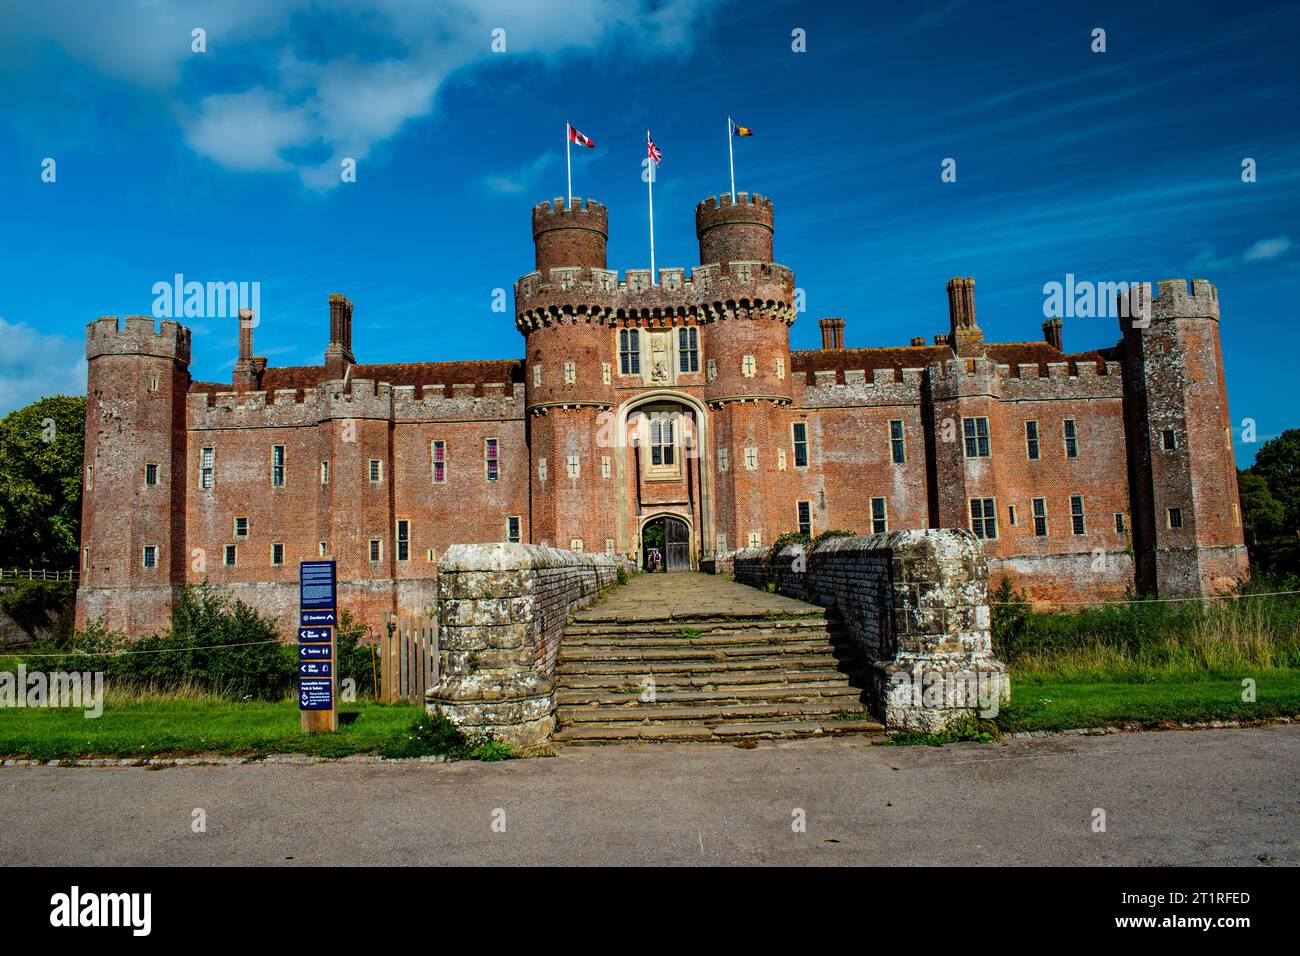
731,160
650,182
568,161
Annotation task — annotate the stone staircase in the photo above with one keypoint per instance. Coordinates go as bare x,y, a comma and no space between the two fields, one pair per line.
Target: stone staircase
731,664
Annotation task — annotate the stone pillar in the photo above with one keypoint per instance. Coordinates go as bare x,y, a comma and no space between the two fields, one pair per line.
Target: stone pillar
943,666
502,610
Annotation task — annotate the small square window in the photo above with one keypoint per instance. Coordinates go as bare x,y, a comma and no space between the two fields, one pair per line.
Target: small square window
150,557
1031,440
277,554
1040,517
206,461
324,548
1077,522
1119,522
277,466
376,550
1168,440
376,470
241,527
151,474
805,518
1071,439
1175,518
799,431
1011,515
897,443
512,529
90,477
230,555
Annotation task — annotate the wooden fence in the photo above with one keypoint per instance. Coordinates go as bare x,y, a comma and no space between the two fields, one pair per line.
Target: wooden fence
35,574
408,657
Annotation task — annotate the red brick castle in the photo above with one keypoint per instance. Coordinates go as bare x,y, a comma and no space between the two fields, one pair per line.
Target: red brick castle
672,401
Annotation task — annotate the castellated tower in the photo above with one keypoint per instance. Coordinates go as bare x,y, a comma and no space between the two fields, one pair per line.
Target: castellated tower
748,325
133,505
567,375
1187,520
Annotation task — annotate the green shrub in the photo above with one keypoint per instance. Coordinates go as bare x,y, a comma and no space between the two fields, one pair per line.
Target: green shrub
622,575
220,646
832,533
37,606
435,735
352,658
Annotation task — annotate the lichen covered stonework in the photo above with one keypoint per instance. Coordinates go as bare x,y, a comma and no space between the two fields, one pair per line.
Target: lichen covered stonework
916,604
502,609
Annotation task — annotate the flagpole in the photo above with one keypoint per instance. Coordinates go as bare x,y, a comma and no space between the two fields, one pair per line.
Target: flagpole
650,182
568,161
731,159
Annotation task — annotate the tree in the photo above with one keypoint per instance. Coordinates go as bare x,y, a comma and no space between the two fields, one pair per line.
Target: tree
1262,515
1278,463
40,483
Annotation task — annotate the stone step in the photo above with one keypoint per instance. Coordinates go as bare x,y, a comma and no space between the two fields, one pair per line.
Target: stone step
683,680
705,713
724,732
735,616
837,691
724,639
698,654
620,628
791,663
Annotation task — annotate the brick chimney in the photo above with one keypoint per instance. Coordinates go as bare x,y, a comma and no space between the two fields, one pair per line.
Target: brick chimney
832,333
965,336
248,368
338,354
1052,334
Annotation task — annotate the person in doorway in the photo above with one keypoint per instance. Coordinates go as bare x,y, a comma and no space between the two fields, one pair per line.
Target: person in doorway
656,560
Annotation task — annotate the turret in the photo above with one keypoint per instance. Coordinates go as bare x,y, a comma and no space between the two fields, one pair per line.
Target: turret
570,234
133,502
734,232
1183,478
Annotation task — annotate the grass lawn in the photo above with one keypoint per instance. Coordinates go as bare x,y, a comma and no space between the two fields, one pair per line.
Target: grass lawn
1048,702
177,727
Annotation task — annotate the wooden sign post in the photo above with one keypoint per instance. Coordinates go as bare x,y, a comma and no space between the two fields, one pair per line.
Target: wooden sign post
317,616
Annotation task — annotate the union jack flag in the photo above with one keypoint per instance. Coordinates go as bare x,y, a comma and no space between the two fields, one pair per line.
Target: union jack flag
652,150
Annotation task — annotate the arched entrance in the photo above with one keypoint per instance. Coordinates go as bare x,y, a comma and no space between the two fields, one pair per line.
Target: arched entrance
666,544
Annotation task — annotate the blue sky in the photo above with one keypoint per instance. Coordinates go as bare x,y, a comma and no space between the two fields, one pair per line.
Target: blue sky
223,165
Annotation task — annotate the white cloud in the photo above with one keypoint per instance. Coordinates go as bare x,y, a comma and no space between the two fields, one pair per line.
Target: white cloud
307,106
1262,250
34,365
1272,248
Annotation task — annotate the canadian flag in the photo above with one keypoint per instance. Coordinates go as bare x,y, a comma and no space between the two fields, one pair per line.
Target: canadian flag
576,137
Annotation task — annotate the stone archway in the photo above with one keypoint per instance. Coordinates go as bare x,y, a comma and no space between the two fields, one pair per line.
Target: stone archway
667,543
633,511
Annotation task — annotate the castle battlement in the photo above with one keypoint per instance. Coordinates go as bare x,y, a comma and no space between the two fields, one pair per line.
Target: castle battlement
359,398
706,292
1173,300
139,336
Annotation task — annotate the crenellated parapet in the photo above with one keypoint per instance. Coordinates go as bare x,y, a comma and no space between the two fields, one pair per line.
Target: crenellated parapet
864,388
1066,380
739,230
357,399
709,293
1170,299
139,336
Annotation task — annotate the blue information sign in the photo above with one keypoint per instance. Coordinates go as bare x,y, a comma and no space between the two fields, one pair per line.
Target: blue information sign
314,634
310,618
314,668
316,586
315,693
315,652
